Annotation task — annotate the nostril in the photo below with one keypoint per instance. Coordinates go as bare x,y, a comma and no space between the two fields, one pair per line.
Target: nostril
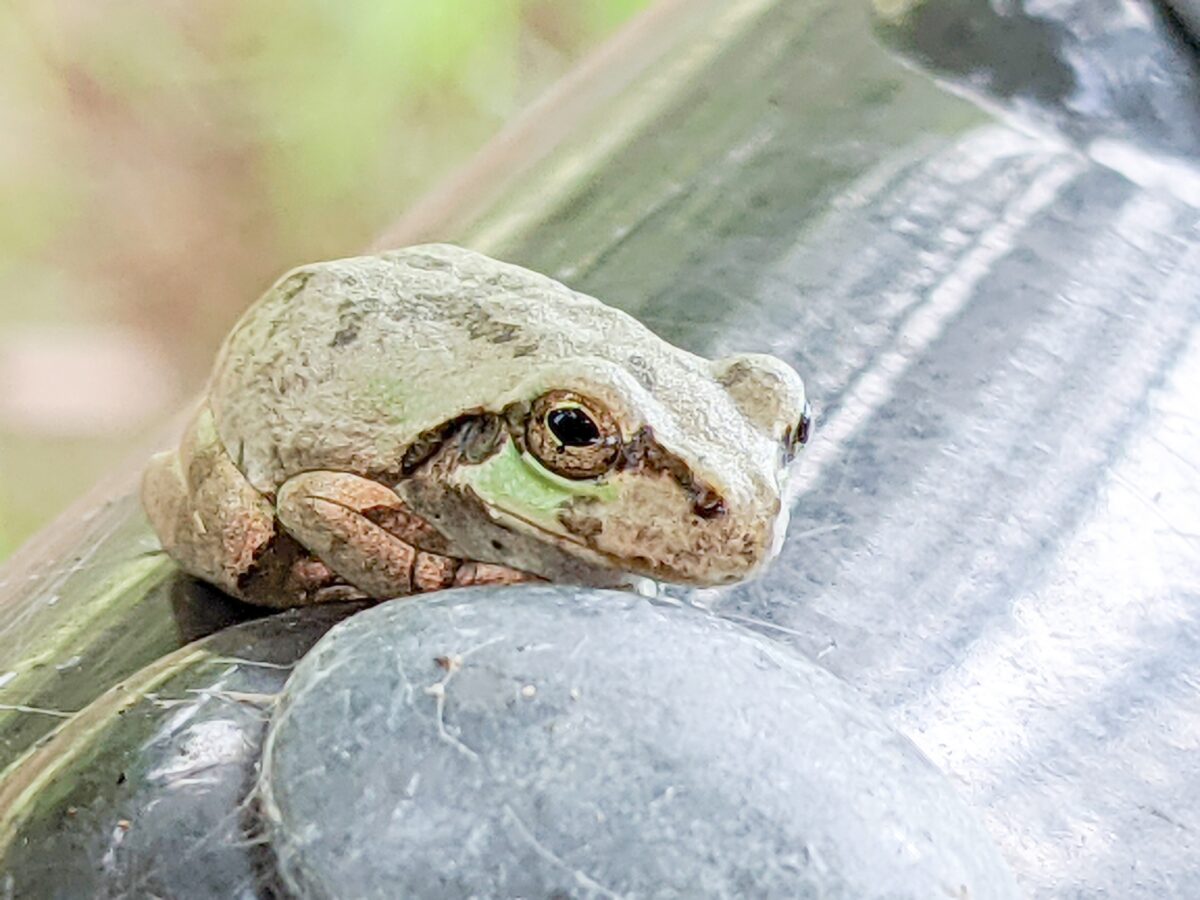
805,425
797,437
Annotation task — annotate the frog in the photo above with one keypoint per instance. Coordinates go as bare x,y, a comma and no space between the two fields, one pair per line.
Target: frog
429,417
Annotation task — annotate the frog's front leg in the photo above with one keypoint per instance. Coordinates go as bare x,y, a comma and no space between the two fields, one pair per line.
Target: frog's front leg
363,531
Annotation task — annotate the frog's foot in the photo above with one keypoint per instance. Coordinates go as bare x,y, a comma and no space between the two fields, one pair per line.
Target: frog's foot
287,575
479,573
365,534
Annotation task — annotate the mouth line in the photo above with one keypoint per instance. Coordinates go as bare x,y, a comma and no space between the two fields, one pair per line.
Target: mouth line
622,564
557,537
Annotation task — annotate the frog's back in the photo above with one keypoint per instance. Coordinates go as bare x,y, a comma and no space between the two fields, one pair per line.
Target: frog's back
342,364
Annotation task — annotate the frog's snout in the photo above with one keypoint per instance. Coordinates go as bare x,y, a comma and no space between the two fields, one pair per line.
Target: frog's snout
685,534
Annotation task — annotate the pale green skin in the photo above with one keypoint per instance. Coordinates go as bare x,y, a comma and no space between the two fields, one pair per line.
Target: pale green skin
342,365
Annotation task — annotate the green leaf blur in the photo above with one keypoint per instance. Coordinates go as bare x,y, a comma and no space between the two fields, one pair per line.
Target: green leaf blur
162,162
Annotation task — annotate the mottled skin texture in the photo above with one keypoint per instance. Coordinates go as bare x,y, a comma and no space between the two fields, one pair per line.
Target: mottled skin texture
430,417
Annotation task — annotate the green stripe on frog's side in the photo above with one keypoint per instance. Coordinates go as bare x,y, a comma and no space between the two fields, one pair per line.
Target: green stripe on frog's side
517,483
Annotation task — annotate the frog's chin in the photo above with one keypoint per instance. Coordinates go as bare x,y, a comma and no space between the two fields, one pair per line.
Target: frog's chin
638,570
602,569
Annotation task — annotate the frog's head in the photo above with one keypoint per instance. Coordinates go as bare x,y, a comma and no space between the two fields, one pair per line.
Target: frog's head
672,468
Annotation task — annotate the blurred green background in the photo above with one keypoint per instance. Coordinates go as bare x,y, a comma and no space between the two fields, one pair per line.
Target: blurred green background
162,161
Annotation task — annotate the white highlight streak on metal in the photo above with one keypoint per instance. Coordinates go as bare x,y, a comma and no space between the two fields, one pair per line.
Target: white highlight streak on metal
876,387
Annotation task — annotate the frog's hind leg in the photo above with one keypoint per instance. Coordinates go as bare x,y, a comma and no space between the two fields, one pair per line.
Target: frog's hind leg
217,527
363,531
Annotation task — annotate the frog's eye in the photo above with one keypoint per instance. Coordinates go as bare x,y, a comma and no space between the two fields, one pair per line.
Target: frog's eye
571,435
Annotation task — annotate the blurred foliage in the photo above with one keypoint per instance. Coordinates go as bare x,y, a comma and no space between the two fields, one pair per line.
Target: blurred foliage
161,161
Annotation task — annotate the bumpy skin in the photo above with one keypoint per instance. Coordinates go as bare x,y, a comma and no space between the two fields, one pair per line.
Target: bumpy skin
386,424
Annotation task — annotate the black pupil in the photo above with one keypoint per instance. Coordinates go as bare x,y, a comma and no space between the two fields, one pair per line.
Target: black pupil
573,427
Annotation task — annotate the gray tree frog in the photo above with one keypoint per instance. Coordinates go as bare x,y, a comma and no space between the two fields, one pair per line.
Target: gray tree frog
431,417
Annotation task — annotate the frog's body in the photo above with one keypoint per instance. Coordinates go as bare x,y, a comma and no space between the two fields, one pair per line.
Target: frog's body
432,417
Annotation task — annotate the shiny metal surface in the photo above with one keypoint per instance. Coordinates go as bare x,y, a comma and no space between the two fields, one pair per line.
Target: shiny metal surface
1188,12
146,794
987,264
996,534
